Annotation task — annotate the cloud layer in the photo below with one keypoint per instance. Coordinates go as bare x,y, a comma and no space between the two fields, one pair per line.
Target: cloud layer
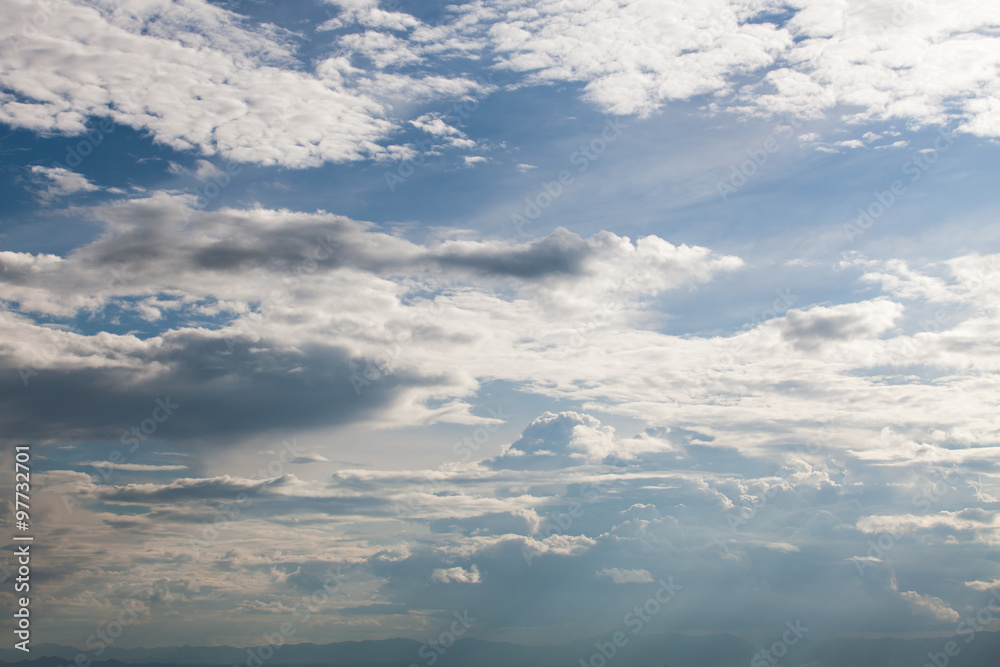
806,437
199,77
232,406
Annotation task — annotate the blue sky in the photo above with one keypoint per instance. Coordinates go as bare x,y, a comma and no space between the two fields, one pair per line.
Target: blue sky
507,306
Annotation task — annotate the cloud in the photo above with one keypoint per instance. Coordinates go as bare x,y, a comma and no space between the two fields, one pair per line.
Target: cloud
456,575
309,458
204,170
435,125
885,60
813,328
197,77
387,325
630,58
551,539
260,607
257,292
61,182
619,576
805,60
200,77
132,467
223,487
555,441
929,604
718,458
983,585
368,14
816,454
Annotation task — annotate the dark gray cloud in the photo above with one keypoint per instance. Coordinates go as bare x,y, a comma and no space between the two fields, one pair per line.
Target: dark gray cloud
222,395
154,236
562,252
809,330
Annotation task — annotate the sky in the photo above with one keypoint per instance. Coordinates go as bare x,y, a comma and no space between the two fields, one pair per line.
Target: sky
355,315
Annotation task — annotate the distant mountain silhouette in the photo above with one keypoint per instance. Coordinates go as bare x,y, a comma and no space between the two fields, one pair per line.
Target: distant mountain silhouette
639,651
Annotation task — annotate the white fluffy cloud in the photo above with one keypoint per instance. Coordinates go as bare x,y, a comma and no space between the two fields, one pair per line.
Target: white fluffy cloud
456,575
60,182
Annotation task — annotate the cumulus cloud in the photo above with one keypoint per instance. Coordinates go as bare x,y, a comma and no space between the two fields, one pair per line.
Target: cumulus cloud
929,604
61,182
632,57
885,59
199,77
804,59
456,575
554,441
